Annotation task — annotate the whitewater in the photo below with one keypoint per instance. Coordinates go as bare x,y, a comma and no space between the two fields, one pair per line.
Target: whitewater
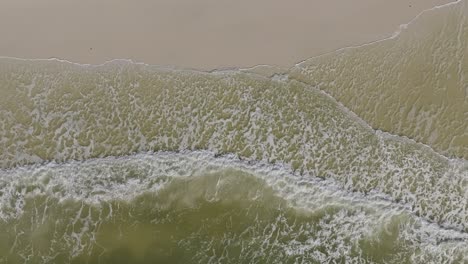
356,156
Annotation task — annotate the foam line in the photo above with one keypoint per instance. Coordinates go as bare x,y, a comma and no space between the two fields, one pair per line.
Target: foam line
208,159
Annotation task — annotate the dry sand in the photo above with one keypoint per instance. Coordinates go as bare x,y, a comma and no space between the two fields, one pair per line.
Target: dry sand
203,34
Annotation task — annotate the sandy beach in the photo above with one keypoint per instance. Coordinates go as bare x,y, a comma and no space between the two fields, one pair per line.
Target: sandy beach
204,34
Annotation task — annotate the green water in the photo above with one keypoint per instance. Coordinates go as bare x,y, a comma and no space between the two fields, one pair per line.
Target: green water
131,163
193,208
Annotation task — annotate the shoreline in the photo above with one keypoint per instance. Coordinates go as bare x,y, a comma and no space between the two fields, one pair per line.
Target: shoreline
217,64
270,71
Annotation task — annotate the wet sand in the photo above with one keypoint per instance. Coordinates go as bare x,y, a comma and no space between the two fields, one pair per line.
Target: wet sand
203,34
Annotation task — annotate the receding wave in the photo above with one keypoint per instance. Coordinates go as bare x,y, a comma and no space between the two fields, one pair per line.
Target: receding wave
414,84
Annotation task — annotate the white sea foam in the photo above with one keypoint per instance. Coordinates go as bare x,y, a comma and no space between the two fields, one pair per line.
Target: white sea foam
303,143
100,181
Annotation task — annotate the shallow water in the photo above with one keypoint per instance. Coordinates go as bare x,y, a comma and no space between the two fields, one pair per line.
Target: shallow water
131,163
414,84
194,208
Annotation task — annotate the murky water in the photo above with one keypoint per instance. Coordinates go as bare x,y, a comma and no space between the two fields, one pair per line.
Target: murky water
130,163
195,208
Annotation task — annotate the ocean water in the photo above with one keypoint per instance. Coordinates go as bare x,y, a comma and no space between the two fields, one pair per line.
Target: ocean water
357,156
